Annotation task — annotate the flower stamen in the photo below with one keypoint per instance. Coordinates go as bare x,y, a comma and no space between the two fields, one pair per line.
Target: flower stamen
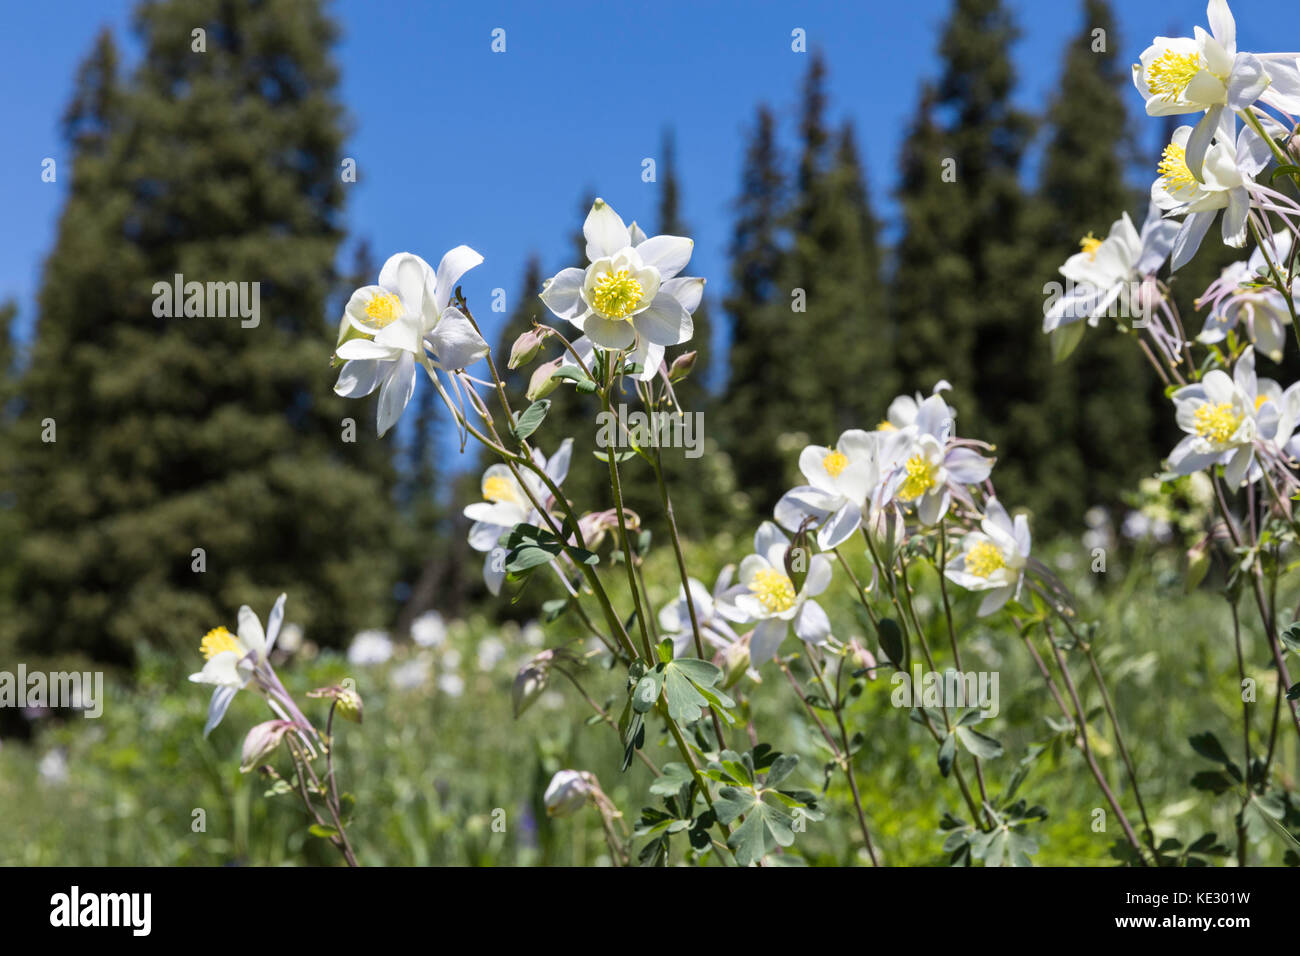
616,294
773,590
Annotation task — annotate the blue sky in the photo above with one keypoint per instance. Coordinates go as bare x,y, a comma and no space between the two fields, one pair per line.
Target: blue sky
456,143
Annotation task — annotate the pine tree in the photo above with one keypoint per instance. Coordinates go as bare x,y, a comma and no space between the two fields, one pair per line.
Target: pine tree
1101,397
190,442
986,333
748,419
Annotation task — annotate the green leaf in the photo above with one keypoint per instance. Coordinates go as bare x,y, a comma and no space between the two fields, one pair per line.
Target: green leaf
530,418
781,768
981,745
673,777
322,830
947,751
891,640
577,376
684,701
731,802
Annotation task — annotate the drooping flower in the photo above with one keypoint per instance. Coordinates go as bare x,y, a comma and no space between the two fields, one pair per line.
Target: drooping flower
934,466
841,481
506,503
1224,183
1104,273
389,329
993,558
233,660
1244,294
630,295
768,597
568,792
1224,418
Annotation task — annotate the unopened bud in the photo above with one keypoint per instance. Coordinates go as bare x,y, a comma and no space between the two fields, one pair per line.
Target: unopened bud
735,662
682,366
862,658
541,384
261,742
527,346
348,704
531,681
568,792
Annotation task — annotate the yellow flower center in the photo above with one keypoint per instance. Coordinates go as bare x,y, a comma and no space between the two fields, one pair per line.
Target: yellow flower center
1169,74
1218,422
1260,400
216,641
616,294
498,488
920,478
985,558
1090,244
886,426
773,589
1173,168
384,309
835,462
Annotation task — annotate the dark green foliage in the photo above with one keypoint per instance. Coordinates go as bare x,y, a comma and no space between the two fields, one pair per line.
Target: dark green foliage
182,433
811,348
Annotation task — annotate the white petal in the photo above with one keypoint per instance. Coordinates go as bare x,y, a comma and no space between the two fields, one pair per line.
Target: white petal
358,378
396,391
454,264
604,231
563,294
668,254
455,342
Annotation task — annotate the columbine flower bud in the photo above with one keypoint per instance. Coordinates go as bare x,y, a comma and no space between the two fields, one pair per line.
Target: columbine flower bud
541,384
349,705
682,366
531,681
735,662
527,346
568,792
862,658
261,742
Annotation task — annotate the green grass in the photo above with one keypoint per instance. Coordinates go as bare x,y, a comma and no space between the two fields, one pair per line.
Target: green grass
432,771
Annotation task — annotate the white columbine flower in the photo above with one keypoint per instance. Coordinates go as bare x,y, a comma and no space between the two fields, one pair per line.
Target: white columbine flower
429,629
234,659
1223,418
370,647
630,296
675,618
1224,183
1242,294
1187,75
933,468
840,483
505,504
1104,271
904,408
993,559
766,595
386,329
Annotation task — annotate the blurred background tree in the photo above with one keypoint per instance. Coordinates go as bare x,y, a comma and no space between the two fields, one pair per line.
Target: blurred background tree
177,434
